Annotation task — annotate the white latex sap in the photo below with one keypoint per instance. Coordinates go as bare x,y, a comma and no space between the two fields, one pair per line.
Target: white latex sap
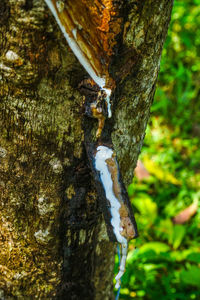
104,153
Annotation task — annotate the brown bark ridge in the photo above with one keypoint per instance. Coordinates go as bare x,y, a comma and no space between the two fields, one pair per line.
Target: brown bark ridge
53,242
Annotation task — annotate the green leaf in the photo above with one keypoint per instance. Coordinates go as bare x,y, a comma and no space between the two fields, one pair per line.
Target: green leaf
178,235
182,255
131,190
146,206
158,247
194,257
164,230
191,277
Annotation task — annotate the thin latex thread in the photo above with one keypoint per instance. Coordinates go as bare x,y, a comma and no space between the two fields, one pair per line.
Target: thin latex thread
119,257
122,265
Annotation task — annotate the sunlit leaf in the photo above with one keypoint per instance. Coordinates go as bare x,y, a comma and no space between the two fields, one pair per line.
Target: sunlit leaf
155,246
178,235
164,230
156,170
146,206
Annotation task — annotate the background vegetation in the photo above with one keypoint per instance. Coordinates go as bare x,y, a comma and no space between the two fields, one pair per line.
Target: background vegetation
166,261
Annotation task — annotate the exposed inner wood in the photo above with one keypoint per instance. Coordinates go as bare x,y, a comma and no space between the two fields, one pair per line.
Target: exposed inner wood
98,114
126,224
94,29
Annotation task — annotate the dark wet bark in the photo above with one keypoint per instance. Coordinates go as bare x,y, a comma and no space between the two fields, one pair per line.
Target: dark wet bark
53,241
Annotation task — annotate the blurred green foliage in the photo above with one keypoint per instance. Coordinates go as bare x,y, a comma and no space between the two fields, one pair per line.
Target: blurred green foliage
166,261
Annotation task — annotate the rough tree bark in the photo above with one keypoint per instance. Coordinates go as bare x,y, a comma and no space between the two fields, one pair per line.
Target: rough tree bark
53,241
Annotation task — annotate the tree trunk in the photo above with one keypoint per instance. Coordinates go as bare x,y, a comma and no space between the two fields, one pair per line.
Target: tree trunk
53,240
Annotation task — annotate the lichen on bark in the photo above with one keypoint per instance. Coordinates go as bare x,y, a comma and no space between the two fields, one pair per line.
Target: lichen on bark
52,236
145,29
